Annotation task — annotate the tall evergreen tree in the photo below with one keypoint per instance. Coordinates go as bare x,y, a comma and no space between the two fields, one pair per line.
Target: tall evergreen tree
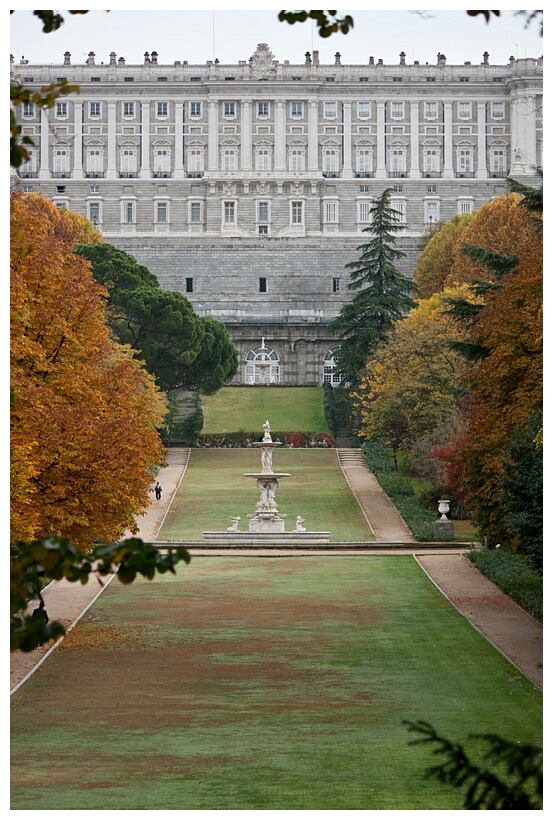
383,292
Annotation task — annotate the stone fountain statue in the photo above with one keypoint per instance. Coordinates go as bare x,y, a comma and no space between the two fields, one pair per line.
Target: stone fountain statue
267,517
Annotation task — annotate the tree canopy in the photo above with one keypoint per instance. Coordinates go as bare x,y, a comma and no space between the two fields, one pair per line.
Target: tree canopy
181,349
383,293
84,412
503,343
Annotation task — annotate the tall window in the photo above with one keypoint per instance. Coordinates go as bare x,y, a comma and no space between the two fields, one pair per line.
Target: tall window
195,160
398,160
296,159
263,159
229,213
61,110
128,212
431,160
29,168
263,109
128,160
464,160
162,109
431,212
399,207
465,206
464,110
364,211
498,163
28,110
331,211
95,109
397,110
336,284
128,109
94,161
498,110
430,110
94,213
330,376
229,110
296,109
364,160
195,109
297,212
329,110
330,160
162,161
61,161
363,110
162,212
229,159
262,211
195,212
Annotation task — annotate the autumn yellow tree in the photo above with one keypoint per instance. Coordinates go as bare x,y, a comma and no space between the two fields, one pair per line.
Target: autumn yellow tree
84,412
435,261
407,397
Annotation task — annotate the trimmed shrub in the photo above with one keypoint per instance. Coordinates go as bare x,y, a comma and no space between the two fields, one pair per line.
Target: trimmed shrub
514,574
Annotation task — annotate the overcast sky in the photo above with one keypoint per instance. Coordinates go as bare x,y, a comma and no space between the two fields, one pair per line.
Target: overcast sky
230,36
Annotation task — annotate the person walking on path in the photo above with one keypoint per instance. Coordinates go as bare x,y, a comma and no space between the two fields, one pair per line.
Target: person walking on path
40,610
157,488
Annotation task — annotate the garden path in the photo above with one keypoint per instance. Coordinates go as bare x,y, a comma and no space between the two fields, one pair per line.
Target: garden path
512,631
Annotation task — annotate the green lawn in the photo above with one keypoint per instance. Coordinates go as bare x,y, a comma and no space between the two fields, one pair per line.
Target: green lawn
215,488
262,684
288,409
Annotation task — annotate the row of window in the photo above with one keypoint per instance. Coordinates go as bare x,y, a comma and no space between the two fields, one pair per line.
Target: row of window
264,363
331,159
229,212
296,110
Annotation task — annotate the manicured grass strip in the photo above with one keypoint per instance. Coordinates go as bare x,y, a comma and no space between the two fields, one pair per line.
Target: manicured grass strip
215,488
289,409
262,684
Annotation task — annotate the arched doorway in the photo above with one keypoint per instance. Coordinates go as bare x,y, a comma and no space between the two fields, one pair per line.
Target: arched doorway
255,357
330,376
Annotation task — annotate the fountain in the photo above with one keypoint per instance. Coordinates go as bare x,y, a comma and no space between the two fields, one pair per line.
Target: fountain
267,517
266,524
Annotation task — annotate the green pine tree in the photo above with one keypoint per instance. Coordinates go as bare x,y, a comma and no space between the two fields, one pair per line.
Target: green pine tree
383,292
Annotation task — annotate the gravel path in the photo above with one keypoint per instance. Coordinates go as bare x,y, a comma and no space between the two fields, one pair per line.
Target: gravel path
511,630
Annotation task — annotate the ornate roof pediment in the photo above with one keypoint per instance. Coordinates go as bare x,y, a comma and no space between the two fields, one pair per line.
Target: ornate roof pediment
261,61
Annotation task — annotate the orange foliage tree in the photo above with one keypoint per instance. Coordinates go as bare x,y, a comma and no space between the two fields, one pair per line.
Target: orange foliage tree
84,412
504,344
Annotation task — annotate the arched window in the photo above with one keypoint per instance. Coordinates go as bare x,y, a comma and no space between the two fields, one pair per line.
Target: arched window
330,376
262,366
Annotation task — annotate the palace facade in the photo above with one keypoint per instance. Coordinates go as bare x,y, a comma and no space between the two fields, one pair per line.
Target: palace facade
247,187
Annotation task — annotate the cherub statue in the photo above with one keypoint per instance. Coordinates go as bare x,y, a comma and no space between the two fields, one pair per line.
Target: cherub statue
267,431
235,519
299,522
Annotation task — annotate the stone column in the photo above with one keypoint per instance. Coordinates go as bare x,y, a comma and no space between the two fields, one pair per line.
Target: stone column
111,172
280,136
529,157
246,136
347,170
313,137
145,139
44,167
482,160
78,142
448,141
179,141
213,135
380,140
415,169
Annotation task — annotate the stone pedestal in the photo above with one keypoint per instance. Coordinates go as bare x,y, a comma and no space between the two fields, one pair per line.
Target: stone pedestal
272,524
443,530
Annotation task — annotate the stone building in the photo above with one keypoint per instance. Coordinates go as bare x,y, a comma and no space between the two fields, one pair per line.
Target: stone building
247,187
